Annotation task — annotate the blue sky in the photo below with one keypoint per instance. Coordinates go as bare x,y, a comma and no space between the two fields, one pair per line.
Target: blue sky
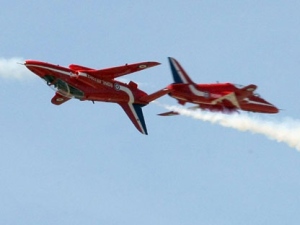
81,163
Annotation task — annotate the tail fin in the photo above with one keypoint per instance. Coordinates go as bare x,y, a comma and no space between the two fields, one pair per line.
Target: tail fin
135,114
179,74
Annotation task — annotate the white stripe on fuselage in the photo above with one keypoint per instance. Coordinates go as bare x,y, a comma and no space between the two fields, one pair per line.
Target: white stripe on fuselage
130,102
195,91
128,92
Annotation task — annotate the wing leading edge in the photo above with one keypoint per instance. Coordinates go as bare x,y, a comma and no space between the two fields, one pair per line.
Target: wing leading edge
135,114
114,72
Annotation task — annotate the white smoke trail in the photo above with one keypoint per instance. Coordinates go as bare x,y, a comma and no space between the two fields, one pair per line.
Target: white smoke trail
287,131
11,69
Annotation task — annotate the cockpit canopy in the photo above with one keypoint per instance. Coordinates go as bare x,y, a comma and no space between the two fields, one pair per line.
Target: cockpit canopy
62,87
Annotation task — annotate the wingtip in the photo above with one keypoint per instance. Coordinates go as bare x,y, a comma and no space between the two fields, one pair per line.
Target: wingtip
150,64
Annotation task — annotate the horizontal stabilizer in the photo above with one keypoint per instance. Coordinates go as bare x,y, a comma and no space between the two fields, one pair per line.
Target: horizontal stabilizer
170,113
155,95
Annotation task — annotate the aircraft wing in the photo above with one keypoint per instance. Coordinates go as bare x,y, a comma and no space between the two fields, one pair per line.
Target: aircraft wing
135,114
111,73
234,98
59,99
231,97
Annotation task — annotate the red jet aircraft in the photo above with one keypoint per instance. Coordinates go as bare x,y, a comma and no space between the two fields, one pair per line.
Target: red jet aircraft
220,97
98,85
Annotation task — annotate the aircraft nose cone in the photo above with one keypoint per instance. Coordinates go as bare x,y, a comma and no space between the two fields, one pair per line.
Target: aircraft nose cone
272,109
275,110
